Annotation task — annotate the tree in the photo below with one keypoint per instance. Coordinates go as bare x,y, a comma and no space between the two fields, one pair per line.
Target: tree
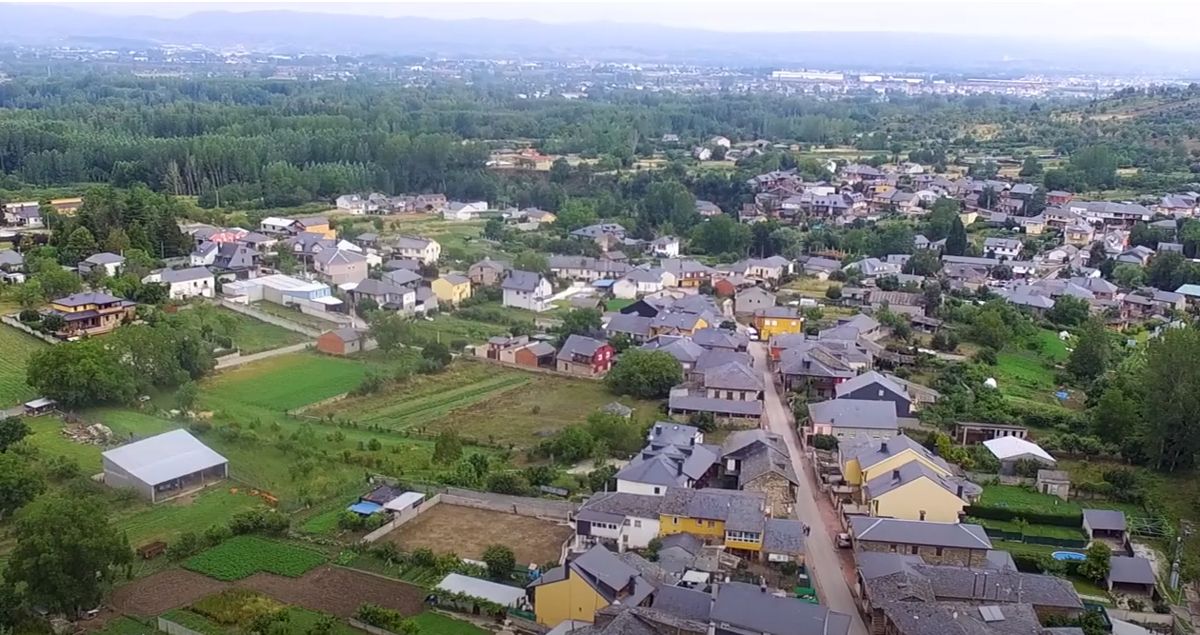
531,261
669,202
66,551
1162,271
576,213
956,240
12,430
365,307
57,282
1115,416
1096,165
1095,566
1002,272
990,328
493,229
447,448
1171,384
1030,167
988,197
117,241
721,235
1068,310
285,262
500,561
20,482
924,262
81,373
578,322
941,218
436,353
30,294
1129,276
185,396
644,374
833,292
80,244
560,171
1089,359
389,329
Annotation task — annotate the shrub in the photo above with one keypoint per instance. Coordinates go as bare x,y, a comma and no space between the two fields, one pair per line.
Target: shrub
259,521
187,544
825,442
240,607
500,561
386,619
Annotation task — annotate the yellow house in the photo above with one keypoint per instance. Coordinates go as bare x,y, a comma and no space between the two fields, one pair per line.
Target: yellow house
777,320
733,518
91,313
451,288
864,461
915,492
677,324
590,582
317,225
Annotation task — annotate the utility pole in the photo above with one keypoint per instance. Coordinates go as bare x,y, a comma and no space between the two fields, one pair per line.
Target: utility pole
1184,531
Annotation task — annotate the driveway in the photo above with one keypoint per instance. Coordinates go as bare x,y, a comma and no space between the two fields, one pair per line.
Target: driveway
820,554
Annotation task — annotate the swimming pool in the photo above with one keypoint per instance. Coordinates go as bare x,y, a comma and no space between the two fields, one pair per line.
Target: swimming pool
1068,555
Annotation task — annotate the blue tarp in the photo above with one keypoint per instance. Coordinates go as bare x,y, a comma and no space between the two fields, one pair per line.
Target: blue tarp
365,508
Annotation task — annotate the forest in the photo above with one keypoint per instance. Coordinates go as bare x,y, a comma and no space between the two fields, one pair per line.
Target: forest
276,143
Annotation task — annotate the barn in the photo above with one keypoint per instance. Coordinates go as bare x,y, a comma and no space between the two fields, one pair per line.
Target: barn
164,466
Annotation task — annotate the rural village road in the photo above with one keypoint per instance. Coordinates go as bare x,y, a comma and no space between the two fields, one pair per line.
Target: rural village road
820,554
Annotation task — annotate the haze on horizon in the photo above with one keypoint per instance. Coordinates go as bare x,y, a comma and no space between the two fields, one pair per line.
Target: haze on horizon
1165,24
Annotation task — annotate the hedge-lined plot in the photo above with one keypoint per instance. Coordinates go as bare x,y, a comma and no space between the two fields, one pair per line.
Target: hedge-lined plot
243,556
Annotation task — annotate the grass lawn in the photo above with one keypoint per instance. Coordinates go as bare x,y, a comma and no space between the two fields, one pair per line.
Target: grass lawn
243,556
1043,531
1026,370
809,287
127,626
485,402
1017,548
616,304
166,521
446,328
1020,499
17,347
430,623
254,336
196,622
295,315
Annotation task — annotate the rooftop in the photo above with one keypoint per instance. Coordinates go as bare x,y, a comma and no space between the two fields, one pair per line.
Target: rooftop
164,457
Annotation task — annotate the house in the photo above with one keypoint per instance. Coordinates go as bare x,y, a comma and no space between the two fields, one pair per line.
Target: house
1131,575
464,211
675,456
741,608
584,356
526,290
108,263
1106,525
27,214
758,461
225,257
972,433
451,288
589,582
314,225
339,266
1053,482
665,247
91,313
848,418
862,459
193,282
1010,450
916,491
777,320
385,294
820,268
874,268
959,544
488,272
163,466
636,328
66,206
688,273
343,341
351,203
531,355
642,281
729,391
751,299
814,367
707,209
425,250
620,519
587,269
996,247
873,386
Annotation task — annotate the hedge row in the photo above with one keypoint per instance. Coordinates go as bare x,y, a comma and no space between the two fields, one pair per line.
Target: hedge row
1033,518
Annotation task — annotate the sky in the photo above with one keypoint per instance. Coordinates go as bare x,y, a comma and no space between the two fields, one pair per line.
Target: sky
1158,22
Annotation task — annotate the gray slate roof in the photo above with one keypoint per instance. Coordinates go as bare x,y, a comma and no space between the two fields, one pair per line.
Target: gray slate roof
915,532
868,378
750,609
1131,570
1104,519
733,376
518,280
854,413
578,345
183,275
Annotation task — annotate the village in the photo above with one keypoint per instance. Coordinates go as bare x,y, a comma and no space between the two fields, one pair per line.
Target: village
414,414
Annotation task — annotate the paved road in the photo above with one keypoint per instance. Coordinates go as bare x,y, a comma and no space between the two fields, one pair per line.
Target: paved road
821,554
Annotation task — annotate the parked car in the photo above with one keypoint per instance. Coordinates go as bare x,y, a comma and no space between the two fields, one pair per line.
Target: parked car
843,540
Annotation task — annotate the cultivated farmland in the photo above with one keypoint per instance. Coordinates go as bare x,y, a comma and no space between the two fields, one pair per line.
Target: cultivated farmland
243,556
467,532
17,348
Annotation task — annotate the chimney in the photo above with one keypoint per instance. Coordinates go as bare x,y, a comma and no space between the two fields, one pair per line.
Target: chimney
895,475
960,490
883,446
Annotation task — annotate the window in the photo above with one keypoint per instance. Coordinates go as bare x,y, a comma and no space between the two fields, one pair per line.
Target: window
892,548
914,550
638,523
712,523
675,520
937,551
657,490
922,514
626,523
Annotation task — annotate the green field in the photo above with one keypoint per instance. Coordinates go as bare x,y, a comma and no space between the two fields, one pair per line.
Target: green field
1040,531
1026,370
1020,499
17,348
430,623
447,328
243,556
296,316
616,304
254,336
126,626
165,521
485,402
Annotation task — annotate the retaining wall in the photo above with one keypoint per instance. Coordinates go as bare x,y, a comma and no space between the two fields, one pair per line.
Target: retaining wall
167,626
519,505
21,326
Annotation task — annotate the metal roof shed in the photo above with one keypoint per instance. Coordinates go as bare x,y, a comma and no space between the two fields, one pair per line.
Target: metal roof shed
501,594
164,465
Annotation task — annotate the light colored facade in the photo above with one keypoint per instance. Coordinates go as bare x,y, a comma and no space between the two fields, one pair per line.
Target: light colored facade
451,289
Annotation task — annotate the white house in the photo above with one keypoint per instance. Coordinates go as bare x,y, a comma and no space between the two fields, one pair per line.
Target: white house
628,520
640,282
110,263
276,225
417,248
464,211
1002,247
193,282
527,290
351,203
720,141
665,247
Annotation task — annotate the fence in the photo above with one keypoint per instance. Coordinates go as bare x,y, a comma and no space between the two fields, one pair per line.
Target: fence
1143,618
21,326
401,518
273,319
167,626
373,630
519,505
1002,479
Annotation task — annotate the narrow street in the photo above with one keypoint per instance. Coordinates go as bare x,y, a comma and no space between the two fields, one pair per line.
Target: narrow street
820,554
